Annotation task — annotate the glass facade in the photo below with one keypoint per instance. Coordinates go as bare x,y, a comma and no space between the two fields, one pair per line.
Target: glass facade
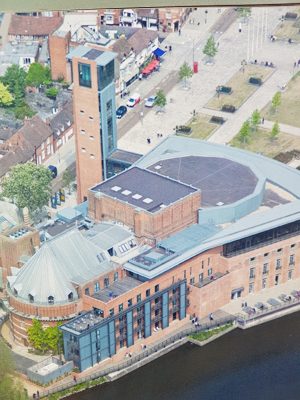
84,73
110,128
106,75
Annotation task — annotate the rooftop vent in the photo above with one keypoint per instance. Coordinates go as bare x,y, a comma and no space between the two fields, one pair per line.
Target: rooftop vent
137,196
126,192
115,188
157,167
220,203
147,200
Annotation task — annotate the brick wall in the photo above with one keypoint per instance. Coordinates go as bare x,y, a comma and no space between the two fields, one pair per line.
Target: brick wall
58,50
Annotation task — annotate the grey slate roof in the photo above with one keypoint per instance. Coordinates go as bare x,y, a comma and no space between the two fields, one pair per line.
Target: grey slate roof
58,265
106,236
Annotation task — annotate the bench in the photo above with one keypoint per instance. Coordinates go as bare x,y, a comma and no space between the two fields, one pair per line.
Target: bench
228,108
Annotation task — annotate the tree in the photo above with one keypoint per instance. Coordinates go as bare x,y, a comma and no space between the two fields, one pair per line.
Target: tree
44,340
185,72
15,79
210,49
67,179
244,132
38,75
52,92
6,98
10,387
28,185
244,12
276,101
160,100
255,120
275,131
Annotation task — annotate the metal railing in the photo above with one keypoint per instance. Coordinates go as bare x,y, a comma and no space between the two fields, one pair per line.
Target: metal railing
244,319
143,355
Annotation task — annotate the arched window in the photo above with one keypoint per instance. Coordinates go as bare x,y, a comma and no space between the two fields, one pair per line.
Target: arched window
31,298
50,300
70,296
15,292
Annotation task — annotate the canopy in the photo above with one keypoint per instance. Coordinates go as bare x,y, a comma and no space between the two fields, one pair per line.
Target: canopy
159,52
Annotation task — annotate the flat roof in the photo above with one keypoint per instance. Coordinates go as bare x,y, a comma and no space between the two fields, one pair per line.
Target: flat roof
90,53
124,156
221,180
144,189
116,289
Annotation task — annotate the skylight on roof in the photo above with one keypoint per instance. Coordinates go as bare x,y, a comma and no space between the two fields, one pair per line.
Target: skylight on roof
126,192
115,188
157,167
137,196
147,200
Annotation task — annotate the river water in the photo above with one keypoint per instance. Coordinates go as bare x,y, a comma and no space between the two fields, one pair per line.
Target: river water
261,363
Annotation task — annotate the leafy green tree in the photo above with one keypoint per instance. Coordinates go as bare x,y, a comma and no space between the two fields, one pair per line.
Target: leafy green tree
38,75
244,132
36,336
210,48
244,12
185,72
276,101
67,179
53,339
160,100
275,131
28,185
23,110
15,79
255,120
52,92
10,387
6,98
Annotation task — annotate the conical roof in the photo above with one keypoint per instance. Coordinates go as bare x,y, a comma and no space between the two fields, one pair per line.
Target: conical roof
58,266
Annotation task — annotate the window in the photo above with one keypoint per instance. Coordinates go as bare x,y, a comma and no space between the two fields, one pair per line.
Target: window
97,287
290,274
252,273
92,137
279,250
106,282
202,264
156,300
276,279
278,263
265,268
70,296
129,302
293,245
208,260
111,312
201,276
83,149
105,75
138,298
266,254
120,307
84,72
92,156
121,343
209,271
50,300
252,259
81,111
31,298
116,276
147,292
191,270
292,259
101,257
192,281
264,283
91,118
82,132
110,127
251,287
156,289
87,291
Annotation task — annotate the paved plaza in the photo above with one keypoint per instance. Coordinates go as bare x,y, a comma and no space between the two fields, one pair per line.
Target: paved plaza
233,48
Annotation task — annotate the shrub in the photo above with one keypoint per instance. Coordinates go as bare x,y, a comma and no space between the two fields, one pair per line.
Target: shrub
52,92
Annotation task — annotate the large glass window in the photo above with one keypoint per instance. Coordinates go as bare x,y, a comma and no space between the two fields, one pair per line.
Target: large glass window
110,128
106,75
84,72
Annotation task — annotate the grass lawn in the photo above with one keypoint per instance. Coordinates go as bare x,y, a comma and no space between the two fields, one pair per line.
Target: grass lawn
260,142
288,112
241,89
289,29
201,336
201,127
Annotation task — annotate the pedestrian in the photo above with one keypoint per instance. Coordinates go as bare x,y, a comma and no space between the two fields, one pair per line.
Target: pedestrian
263,120
299,63
242,305
140,77
179,31
295,64
74,379
38,394
170,48
245,304
158,135
148,140
198,24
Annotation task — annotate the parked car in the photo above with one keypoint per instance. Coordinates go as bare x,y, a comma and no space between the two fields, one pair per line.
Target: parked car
121,111
150,101
53,171
133,100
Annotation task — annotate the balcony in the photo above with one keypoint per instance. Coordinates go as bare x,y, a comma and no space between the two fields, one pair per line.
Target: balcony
210,279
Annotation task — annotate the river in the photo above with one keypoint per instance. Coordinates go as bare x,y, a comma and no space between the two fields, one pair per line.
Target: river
260,363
